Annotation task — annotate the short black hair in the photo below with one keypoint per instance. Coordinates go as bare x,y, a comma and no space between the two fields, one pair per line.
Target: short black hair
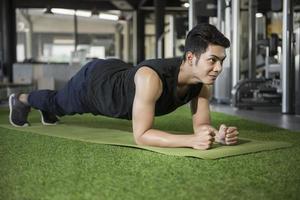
201,36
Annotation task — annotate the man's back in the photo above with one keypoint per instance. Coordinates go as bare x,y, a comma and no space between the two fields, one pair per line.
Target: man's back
112,89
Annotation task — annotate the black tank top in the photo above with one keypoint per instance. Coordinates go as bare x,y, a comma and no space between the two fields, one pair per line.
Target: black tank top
111,88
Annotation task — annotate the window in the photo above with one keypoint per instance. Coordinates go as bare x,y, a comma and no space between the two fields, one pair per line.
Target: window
43,37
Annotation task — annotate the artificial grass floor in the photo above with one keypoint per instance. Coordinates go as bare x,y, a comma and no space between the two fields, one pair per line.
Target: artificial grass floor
41,167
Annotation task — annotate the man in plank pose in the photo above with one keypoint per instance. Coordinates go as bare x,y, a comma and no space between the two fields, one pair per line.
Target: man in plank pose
152,88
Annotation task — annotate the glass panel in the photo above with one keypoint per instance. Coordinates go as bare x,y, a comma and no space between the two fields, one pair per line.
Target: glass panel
43,36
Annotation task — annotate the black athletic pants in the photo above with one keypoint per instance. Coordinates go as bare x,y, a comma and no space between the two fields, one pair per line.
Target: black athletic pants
70,100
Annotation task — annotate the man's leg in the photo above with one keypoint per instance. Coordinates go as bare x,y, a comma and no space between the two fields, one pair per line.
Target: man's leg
20,107
68,101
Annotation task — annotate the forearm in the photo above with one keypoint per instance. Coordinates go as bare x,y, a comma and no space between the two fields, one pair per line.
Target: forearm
198,127
158,138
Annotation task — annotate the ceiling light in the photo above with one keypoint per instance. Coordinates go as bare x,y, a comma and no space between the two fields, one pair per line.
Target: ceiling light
258,15
82,13
186,5
63,11
108,16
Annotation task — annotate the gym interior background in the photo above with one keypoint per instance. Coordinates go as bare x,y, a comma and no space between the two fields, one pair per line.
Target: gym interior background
43,43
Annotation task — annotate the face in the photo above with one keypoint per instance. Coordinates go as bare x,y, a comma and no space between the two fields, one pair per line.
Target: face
209,65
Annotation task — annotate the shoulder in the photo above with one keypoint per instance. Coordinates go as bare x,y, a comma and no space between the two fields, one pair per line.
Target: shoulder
148,82
145,73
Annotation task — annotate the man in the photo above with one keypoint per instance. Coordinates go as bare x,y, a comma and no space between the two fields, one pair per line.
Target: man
154,87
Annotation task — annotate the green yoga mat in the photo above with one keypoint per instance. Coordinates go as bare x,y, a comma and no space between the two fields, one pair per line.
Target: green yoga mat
123,138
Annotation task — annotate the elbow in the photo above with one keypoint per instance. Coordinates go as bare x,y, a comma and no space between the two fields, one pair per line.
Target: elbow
139,140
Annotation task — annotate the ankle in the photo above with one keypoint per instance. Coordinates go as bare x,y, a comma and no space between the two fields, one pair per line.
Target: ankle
24,99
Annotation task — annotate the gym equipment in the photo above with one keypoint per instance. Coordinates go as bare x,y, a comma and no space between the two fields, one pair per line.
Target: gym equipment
258,92
265,91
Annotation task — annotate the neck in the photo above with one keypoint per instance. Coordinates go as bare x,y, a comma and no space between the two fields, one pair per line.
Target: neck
185,76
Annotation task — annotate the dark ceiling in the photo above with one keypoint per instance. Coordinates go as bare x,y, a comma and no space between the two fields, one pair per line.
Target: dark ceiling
93,4
129,5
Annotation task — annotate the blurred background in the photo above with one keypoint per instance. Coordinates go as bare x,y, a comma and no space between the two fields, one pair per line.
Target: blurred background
43,43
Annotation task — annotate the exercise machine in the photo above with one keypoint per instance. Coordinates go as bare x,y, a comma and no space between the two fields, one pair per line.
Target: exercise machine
266,90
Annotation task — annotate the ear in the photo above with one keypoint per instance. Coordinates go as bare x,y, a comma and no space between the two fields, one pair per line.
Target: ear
189,57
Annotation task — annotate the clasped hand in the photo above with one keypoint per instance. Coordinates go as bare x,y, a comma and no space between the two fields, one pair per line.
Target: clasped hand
206,135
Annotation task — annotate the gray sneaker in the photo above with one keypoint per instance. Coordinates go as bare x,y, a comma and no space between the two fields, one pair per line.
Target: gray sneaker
48,118
18,111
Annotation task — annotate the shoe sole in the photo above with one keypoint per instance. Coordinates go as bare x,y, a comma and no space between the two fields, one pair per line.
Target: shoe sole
10,113
45,123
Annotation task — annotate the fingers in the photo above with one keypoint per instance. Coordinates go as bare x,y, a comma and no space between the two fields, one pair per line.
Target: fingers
223,127
232,143
231,132
222,131
231,129
231,139
231,136
210,135
207,131
220,134
210,139
203,145
204,139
